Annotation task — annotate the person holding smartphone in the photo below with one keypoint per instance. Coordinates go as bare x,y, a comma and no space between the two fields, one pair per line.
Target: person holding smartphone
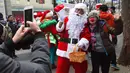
40,60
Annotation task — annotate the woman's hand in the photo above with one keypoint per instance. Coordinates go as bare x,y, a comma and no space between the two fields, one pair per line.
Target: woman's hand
34,27
20,34
23,30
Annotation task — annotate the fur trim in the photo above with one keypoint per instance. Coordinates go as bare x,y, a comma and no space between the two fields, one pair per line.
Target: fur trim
97,6
60,29
94,13
62,53
35,13
44,14
82,6
49,14
84,44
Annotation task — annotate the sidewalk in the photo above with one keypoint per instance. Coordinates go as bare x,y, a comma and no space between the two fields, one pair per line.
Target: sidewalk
24,55
123,69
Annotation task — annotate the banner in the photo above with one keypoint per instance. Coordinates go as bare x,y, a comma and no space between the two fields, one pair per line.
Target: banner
69,5
60,1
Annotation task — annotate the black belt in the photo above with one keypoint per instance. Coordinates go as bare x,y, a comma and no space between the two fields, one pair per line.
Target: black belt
69,40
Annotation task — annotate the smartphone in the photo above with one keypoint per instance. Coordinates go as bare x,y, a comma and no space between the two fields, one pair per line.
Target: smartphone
28,14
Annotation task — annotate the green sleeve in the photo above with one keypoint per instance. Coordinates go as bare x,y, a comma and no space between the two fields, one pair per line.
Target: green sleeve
47,23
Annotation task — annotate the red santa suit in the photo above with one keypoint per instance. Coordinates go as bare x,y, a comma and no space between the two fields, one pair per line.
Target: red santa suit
72,33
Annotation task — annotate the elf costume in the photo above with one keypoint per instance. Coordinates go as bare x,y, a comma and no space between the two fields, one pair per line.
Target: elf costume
47,25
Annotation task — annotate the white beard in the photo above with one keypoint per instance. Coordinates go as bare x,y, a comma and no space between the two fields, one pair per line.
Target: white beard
75,25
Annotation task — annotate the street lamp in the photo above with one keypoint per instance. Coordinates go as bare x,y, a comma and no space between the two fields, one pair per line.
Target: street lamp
54,3
111,2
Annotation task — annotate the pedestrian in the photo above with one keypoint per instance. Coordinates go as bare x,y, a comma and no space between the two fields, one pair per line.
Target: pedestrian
39,62
12,23
73,31
2,22
113,10
118,26
105,15
100,47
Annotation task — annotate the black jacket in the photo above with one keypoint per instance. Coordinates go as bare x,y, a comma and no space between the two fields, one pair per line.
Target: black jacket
2,22
39,62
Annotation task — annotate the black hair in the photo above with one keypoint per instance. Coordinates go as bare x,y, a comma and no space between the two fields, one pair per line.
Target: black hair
1,16
103,8
113,8
9,17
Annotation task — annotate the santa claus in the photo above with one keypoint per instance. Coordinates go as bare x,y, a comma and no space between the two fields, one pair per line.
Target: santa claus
73,31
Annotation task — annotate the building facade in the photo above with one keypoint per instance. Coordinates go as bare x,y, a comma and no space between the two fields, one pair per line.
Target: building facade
17,6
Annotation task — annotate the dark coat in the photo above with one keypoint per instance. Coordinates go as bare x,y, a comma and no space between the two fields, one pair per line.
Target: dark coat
2,22
39,62
107,43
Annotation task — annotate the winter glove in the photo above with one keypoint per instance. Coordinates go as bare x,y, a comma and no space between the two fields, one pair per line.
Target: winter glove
83,44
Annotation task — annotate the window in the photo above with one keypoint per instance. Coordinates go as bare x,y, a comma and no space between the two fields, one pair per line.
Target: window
28,0
41,1
37,1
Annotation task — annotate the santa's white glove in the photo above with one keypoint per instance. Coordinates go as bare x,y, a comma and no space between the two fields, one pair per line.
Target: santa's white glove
83,44
61,18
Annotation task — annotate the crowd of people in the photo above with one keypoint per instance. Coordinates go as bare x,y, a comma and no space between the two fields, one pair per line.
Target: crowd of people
53,36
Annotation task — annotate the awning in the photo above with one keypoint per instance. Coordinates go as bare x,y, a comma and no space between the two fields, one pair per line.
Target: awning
14,8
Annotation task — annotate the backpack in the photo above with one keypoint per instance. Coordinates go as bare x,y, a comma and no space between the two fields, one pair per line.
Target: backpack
7,32
118,26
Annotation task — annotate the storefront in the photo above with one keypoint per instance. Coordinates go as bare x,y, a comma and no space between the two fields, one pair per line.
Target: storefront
18,12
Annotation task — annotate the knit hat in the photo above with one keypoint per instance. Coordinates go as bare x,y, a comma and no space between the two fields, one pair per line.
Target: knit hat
46,14
37,14
81,6
94,13
97,6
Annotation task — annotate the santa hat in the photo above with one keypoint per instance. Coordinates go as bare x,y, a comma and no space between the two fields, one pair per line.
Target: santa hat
94,13
97,6
46,14
37,14
81,6
59,8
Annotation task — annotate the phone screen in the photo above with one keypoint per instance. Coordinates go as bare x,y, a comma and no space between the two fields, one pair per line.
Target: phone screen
28,16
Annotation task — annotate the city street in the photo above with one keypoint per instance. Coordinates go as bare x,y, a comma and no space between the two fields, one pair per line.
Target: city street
24,55
75,23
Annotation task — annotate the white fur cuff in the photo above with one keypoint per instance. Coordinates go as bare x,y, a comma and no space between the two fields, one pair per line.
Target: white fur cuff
58,28
84,44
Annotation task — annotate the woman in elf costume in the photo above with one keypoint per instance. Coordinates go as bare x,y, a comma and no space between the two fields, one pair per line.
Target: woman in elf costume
47,25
